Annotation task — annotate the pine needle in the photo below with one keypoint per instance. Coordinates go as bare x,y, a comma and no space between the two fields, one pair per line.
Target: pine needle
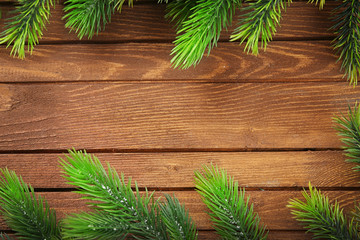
112,197
26,25
347,41
258,23
349,130
29,216
89,17
201,30
323,219
177,220
231,213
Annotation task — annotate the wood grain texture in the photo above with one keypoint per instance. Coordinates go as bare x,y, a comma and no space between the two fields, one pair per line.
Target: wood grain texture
271,206
172,116
283,61
146,22
176,170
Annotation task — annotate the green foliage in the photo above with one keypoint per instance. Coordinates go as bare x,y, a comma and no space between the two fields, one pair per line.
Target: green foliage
347,41
177,220
201,30
231,213
113,199
29,216
179,11
258,23
118,211
26,25
323,219
87,17
349,129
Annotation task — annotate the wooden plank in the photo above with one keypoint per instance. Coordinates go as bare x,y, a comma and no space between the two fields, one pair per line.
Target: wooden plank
172,116
147,22
176,170
271,206
283,61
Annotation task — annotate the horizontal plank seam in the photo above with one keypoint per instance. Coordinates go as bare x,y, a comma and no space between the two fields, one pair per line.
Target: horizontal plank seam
169,41
164,150
191,189
185,81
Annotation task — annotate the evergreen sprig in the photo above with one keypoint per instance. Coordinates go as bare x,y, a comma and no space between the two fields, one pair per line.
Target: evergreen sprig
112,198
323,219
177,220
28,215
231,213
347,41
26,26
349,130
89,17
179,11
201,30
119,212
258,23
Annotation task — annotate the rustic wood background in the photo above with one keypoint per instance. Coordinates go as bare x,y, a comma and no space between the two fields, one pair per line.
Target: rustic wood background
266,119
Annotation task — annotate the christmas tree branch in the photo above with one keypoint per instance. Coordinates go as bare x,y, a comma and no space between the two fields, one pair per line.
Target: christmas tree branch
349,129
179,12
347,41
258,23
201,30
177,220
321,218
26,26
115,203
29,216
89,17
231,213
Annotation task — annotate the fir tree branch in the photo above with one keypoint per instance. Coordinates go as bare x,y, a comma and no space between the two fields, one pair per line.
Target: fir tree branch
259,22
29,216
349,129
96,225
201,30
178,223
347,41
231,213
179,12
89,17
321,218
26,26
112,195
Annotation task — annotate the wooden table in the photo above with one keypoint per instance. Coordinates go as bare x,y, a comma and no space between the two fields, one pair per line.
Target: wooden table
265,119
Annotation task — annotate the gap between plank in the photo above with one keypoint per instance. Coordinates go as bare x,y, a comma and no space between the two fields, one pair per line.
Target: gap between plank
190,189
166,150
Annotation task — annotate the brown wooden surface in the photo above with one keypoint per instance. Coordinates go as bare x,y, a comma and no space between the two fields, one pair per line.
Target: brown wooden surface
283,61
176,170
265,119
172,116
